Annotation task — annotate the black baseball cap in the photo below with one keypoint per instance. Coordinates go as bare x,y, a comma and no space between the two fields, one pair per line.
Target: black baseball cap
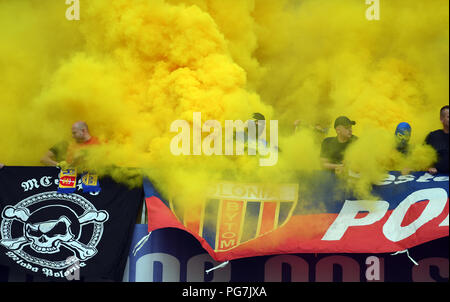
343,121
258,116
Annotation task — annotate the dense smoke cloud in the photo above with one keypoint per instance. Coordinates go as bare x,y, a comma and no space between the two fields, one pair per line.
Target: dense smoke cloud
131,68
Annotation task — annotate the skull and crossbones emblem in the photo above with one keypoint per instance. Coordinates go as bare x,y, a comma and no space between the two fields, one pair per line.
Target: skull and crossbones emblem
47,236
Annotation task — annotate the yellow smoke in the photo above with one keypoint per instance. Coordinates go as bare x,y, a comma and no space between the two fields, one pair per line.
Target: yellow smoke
131,68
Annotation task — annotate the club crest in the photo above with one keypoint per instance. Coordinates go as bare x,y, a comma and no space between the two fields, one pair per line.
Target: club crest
234,213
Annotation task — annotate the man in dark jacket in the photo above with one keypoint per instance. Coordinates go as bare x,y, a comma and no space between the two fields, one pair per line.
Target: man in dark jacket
333,148
438,139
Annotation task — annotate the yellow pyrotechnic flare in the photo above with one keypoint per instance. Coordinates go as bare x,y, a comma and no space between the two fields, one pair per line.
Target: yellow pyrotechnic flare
130,68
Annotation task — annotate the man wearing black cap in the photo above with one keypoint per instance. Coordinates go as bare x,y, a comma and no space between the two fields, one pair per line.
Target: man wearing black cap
252,142
260,122
333,148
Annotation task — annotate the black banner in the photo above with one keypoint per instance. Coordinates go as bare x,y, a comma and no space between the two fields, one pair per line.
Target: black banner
61,237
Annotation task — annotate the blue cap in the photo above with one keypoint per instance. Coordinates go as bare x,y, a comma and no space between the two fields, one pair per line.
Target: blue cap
403,129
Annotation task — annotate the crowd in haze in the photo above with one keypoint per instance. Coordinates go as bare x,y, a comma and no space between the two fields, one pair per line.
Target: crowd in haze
332,152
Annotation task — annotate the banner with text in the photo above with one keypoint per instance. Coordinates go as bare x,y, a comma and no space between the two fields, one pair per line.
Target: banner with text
59,236
172,255
313,215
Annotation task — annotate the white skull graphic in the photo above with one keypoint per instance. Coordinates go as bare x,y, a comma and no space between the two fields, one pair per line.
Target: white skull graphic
46,237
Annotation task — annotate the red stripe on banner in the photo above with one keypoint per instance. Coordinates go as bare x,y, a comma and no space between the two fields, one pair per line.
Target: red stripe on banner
268,217
305,233
414,212
160,216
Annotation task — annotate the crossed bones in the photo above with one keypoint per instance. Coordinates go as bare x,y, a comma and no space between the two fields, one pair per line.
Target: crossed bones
22,214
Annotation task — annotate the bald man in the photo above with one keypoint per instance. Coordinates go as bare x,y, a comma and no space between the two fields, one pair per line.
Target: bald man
67,152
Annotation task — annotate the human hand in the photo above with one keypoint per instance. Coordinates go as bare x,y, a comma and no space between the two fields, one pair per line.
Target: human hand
432,170
354,174
63,165
405,171
339,169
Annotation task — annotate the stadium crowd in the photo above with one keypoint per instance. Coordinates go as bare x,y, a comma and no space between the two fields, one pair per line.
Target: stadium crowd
65,154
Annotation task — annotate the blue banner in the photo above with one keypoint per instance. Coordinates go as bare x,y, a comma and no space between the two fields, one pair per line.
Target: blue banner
182,259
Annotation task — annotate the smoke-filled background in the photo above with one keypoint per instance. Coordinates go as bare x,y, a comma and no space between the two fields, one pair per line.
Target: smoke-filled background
131,68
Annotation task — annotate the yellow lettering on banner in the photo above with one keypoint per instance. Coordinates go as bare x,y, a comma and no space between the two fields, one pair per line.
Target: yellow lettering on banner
238,190
232,206
227,243
253,192
221,190
228,235
229,225
230,216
